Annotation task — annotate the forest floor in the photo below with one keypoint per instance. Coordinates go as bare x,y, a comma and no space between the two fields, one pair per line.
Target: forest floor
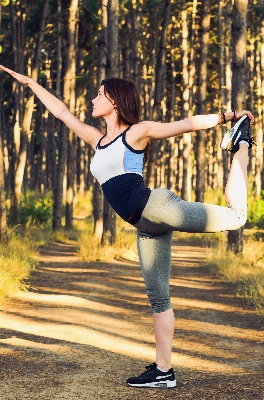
84,328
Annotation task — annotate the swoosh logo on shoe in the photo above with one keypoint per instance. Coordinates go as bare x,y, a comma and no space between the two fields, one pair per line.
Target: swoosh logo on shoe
238,136
163,376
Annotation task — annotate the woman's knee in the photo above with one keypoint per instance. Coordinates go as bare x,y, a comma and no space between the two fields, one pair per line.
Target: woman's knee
159,303
240,217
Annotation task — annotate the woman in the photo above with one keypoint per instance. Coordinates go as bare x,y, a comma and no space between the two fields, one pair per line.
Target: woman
118,164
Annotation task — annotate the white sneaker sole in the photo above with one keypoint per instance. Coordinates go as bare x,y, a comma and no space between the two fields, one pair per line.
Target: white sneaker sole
160,385
230,134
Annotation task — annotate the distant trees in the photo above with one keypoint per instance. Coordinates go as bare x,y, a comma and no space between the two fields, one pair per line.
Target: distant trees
179,55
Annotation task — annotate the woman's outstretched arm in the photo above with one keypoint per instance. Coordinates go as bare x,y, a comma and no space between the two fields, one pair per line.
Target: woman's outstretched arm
86,132
156,130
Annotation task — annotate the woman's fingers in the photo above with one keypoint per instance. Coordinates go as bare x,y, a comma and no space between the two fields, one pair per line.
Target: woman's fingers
7,70
248,113
21,78
251,117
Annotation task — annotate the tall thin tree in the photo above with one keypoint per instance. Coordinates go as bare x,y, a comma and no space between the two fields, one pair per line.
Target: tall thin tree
112,70
202,82
239,69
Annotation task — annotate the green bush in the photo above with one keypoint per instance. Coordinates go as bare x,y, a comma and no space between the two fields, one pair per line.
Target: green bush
36,208
255,211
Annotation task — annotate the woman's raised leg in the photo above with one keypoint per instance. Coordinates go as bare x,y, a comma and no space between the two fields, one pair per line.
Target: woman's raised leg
237,183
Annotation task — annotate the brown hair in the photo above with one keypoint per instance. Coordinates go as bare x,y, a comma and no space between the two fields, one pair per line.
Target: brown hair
125,94
126,97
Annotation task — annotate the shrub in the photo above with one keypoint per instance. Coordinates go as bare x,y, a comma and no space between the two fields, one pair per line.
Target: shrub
256,211
36,208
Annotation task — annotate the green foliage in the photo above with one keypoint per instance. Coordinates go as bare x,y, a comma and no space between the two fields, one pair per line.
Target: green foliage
255,211
36,208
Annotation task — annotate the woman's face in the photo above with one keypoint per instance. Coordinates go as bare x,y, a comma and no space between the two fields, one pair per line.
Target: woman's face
102,106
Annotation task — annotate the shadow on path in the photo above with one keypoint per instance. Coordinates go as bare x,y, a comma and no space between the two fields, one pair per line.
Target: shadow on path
83,328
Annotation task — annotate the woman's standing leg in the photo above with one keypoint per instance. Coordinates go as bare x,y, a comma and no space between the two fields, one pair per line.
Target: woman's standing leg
164,330
155,261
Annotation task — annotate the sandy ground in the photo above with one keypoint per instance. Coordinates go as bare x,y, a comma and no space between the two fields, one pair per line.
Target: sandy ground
84,328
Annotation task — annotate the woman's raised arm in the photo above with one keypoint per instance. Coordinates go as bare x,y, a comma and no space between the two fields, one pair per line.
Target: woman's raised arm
156,130
86,132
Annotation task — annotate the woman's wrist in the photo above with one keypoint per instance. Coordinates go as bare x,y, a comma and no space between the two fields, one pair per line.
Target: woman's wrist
30,81
225,117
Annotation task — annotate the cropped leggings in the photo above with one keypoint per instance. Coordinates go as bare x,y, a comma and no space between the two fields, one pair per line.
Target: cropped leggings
164,213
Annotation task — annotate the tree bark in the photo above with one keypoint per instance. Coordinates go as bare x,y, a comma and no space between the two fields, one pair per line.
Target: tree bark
158,93
62,130
239,40
201,109
3,222
98,198
112,70
187,142
112,55
69,98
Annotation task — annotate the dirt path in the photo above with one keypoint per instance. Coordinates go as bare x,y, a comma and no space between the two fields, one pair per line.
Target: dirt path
87,327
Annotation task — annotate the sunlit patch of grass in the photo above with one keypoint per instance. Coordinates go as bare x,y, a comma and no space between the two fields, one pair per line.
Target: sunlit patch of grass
245,271
16,262
83,204
125,246
18,259
202,239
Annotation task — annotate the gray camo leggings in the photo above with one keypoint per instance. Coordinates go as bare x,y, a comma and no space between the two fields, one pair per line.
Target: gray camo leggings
164,213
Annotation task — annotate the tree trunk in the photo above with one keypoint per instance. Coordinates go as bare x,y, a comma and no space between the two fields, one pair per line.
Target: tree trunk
258,137
112,70
98,198
201,109
239,40
158,93
26,125
187,143
3,223
228,88
58,178
69,98
112,58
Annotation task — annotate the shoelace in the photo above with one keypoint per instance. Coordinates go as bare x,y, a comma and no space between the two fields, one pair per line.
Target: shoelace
150,367
251,141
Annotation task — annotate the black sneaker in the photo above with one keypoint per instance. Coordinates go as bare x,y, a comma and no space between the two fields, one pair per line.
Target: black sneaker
240,131
154,378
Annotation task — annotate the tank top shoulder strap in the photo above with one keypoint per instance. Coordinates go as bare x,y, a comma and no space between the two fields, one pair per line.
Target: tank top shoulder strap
99,141
125,131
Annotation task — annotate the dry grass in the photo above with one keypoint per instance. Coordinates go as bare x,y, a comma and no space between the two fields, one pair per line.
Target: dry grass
90,247
18,259
246,271
16,262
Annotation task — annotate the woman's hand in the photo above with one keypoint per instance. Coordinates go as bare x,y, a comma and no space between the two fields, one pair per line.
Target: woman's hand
20,78
240,114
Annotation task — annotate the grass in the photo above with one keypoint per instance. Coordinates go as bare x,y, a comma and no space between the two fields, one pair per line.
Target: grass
124,247
16,262
246,272
18,259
